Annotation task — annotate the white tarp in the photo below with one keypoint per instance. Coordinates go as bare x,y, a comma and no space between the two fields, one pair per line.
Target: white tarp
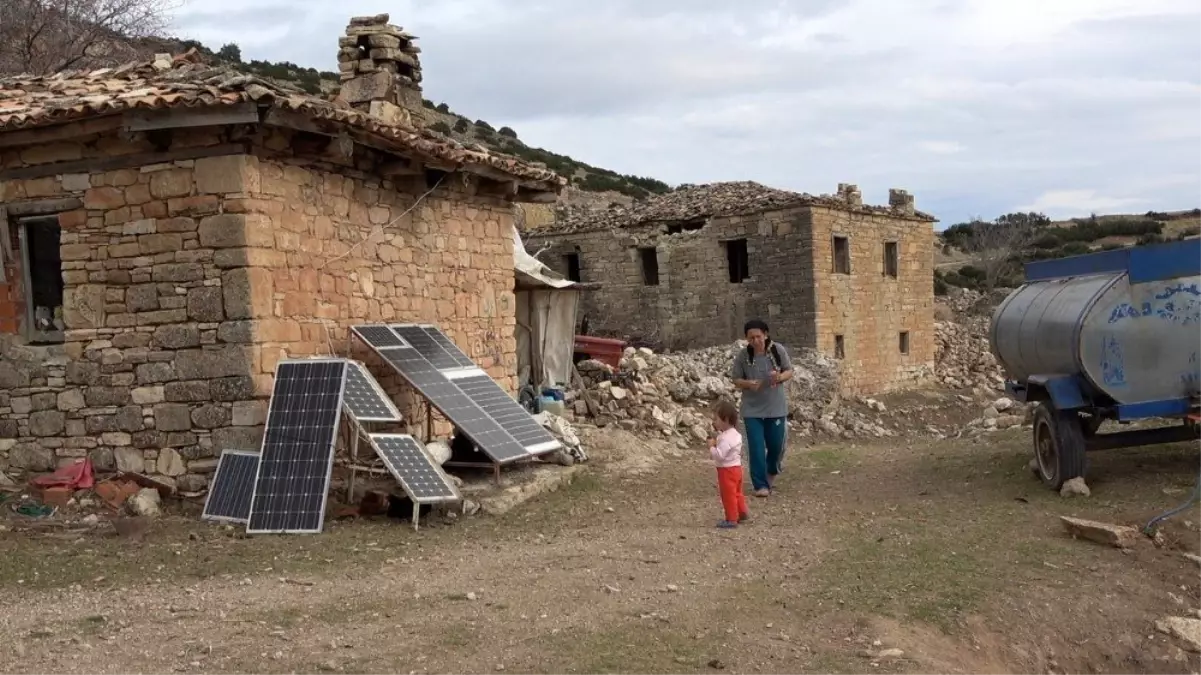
546,318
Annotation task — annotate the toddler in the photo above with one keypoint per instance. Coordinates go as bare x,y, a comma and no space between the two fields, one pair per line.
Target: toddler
726,450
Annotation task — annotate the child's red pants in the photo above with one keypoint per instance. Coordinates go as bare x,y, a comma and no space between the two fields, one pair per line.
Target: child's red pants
729,485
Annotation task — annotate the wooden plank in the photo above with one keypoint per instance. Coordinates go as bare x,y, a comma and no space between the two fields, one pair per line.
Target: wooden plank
536,196
121,161
181,118
42,207
5,241
400,167
59,132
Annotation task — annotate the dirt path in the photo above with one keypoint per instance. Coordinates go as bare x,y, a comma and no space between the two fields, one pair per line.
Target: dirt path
950,553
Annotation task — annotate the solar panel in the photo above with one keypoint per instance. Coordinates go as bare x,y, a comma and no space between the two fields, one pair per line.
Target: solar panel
232,488
292,482
438,349
364,399
420,476
484,431
378,336
429,348
487,394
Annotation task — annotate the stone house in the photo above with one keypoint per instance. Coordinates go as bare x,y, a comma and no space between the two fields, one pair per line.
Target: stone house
830,273
172,230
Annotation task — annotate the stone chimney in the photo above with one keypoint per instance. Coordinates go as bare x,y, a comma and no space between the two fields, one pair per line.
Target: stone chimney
380,71
850,194
901,201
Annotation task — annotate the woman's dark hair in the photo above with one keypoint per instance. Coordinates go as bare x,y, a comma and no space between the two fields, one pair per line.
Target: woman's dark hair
755,323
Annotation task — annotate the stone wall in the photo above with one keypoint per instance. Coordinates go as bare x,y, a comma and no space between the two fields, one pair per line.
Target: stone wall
695,303
333,248
148,378
870,309
186,282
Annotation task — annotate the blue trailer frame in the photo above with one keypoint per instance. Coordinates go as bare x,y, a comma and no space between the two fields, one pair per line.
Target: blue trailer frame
1072,409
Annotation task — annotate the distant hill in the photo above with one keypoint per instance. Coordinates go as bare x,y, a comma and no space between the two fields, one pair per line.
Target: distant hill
956,264
440,117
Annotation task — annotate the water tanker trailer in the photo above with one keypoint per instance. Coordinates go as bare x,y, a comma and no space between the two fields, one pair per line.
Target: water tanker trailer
1109,336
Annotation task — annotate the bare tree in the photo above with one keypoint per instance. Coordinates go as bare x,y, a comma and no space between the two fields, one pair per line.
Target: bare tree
48,36
996,246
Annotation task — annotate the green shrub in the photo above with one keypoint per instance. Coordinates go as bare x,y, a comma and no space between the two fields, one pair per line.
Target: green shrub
426,103
440,127
507,131
484,125
462,125
443,108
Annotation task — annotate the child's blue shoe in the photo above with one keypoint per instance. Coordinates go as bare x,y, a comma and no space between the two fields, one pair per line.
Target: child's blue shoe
726,525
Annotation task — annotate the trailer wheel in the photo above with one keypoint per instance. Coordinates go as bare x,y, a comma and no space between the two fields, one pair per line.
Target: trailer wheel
1058,445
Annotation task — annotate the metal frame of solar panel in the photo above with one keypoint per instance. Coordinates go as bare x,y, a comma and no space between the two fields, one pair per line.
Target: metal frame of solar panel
365,399
487,434
441,351
411,465
302,427
236,470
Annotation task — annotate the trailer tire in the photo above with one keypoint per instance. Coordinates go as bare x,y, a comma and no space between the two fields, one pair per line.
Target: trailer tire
1059,448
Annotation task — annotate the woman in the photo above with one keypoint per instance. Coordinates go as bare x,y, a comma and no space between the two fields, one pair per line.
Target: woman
760,371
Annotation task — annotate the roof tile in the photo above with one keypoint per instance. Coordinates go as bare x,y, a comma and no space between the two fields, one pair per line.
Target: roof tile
28,101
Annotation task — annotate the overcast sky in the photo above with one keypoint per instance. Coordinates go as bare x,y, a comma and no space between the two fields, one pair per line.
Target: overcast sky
977,107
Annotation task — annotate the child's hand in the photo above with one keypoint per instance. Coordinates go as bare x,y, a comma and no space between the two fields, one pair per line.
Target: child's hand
712,443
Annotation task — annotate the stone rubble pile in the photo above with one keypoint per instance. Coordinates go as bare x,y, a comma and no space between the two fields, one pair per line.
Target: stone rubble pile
673,392
379,68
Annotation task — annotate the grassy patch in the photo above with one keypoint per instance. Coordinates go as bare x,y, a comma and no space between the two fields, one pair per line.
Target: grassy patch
823,459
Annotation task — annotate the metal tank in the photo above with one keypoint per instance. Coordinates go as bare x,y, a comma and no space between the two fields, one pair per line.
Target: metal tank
1106,336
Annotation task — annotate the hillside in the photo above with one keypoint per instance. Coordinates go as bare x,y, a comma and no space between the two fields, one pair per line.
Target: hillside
960,262
440,117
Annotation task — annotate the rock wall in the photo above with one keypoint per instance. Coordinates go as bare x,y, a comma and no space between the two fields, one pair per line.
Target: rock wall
336,248
869,308
695,303
186,282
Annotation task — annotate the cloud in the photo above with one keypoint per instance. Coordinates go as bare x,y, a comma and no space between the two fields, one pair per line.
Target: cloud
972,105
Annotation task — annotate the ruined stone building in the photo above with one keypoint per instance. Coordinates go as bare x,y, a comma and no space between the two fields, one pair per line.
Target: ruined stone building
172,230
830,273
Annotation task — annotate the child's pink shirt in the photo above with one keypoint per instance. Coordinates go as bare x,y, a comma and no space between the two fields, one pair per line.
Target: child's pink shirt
728,451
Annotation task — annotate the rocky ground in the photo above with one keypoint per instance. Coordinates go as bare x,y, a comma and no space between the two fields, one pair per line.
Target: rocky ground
671,393
907,535
881,555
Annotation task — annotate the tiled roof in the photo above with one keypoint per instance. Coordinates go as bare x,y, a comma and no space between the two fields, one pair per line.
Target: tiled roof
28,101
692,202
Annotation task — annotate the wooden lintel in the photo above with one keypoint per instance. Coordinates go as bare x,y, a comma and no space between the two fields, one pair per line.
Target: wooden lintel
41,207
121,161
294,120
180,118
5,240
59,132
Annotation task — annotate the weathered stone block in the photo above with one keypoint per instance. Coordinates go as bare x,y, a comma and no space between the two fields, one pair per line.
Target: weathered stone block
177,272
172,417
187,392
192,482
141,298
13,375
78,372
249,413
154,373
71,399
210,416
236,332
170,463
248,293
129,459
238,438
380,86
223,361
103,198
147,395
170,183
32,457
176,336
205,304
21,405
232,388
99,397
149,244
103,459
216,175
84,306
46,423
116,438
227,230
44,400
